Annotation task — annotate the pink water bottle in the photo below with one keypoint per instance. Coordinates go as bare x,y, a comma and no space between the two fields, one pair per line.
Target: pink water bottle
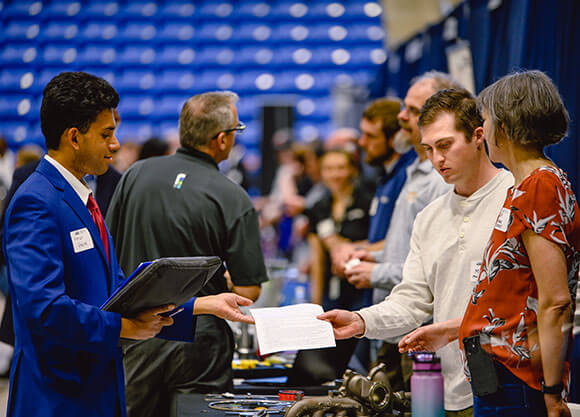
426,386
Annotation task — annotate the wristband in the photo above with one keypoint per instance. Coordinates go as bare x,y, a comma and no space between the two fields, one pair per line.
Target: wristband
552,389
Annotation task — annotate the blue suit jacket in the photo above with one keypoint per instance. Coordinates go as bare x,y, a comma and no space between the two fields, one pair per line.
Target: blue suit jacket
67,360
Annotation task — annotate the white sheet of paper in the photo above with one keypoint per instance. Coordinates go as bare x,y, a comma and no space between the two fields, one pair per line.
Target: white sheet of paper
292,327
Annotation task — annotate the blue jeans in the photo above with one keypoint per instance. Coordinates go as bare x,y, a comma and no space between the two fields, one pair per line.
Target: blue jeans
513,399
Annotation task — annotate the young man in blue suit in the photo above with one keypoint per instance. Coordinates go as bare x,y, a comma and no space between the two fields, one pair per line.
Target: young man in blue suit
62,267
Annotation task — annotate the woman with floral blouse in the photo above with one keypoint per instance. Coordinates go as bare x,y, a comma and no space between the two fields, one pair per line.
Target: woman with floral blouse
515,334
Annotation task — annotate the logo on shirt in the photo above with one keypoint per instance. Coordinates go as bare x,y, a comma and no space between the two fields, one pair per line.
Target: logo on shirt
179,181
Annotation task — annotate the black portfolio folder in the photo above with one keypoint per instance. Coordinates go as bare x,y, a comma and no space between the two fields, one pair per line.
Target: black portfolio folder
161,282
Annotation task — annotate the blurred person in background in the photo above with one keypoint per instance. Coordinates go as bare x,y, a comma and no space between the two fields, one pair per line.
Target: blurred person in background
153,147
340,216
126,156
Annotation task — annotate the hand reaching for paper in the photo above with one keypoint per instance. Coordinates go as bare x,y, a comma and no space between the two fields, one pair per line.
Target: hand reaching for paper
430,338
345,323
225,305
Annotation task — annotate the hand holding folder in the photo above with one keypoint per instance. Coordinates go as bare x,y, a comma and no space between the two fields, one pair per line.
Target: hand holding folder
160,283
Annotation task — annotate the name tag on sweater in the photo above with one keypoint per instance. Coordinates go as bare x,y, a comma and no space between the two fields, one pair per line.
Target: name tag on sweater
81,240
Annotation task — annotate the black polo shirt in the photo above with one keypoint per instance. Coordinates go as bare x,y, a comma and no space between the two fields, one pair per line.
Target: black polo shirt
182,205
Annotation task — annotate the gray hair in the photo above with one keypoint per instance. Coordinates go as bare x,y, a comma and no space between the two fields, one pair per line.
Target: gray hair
528,107
205,115
440,81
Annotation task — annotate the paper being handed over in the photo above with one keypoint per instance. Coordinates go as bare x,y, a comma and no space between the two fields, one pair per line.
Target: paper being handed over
292,327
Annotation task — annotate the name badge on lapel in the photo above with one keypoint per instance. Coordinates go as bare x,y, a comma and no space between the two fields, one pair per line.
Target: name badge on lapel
81,240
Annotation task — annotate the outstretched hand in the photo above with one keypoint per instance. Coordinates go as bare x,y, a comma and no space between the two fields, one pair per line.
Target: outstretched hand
344,323
146,324
225,305
428,338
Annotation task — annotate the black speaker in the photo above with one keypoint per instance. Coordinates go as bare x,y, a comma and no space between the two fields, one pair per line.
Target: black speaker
274,118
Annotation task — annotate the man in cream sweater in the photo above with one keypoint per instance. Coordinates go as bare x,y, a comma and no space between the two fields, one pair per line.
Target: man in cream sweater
447,241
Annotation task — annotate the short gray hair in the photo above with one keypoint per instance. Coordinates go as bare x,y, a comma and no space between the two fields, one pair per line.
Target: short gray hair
528,107
440,81
205,115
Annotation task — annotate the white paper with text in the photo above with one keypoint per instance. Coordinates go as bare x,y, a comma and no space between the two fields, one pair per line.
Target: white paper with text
292,327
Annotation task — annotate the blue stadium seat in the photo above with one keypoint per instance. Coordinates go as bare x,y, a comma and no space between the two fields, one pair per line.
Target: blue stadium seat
136,81
136,56
216,56
168,127
363,10
318,109
252,10
19,55
15,132
174,10
97,55
60,9
254,82
249,108
177,56
135,130
19,81
290,10
19,107
19,30
217,79
215,32
255,56
106,72
99,31
136,9
252,135
169,106
137,106
175,81
23,8
290,33
215,9
137,32
59,32
251,33
331,11
175,31
60,55
98,9
371,33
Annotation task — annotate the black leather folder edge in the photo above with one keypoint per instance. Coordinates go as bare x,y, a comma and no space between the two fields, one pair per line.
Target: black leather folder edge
161,282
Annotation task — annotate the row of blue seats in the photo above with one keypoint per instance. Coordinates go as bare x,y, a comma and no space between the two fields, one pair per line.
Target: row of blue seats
21,107
172,56
208,31
19,133
312,10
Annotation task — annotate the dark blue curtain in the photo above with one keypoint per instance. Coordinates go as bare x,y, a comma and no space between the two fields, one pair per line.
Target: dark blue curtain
519,34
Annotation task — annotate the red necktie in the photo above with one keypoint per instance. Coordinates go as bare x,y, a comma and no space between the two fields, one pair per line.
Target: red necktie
98,218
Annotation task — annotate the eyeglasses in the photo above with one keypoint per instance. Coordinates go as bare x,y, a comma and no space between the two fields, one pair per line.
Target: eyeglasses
240,127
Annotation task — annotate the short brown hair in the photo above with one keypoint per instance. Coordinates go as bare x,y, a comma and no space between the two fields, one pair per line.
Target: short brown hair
460,103
204,115
528,107
385,110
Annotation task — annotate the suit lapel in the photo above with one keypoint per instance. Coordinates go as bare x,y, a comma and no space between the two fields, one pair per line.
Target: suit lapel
75,203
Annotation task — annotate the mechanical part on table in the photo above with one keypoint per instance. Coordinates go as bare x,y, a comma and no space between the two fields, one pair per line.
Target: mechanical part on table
244,406
246,349
358,396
